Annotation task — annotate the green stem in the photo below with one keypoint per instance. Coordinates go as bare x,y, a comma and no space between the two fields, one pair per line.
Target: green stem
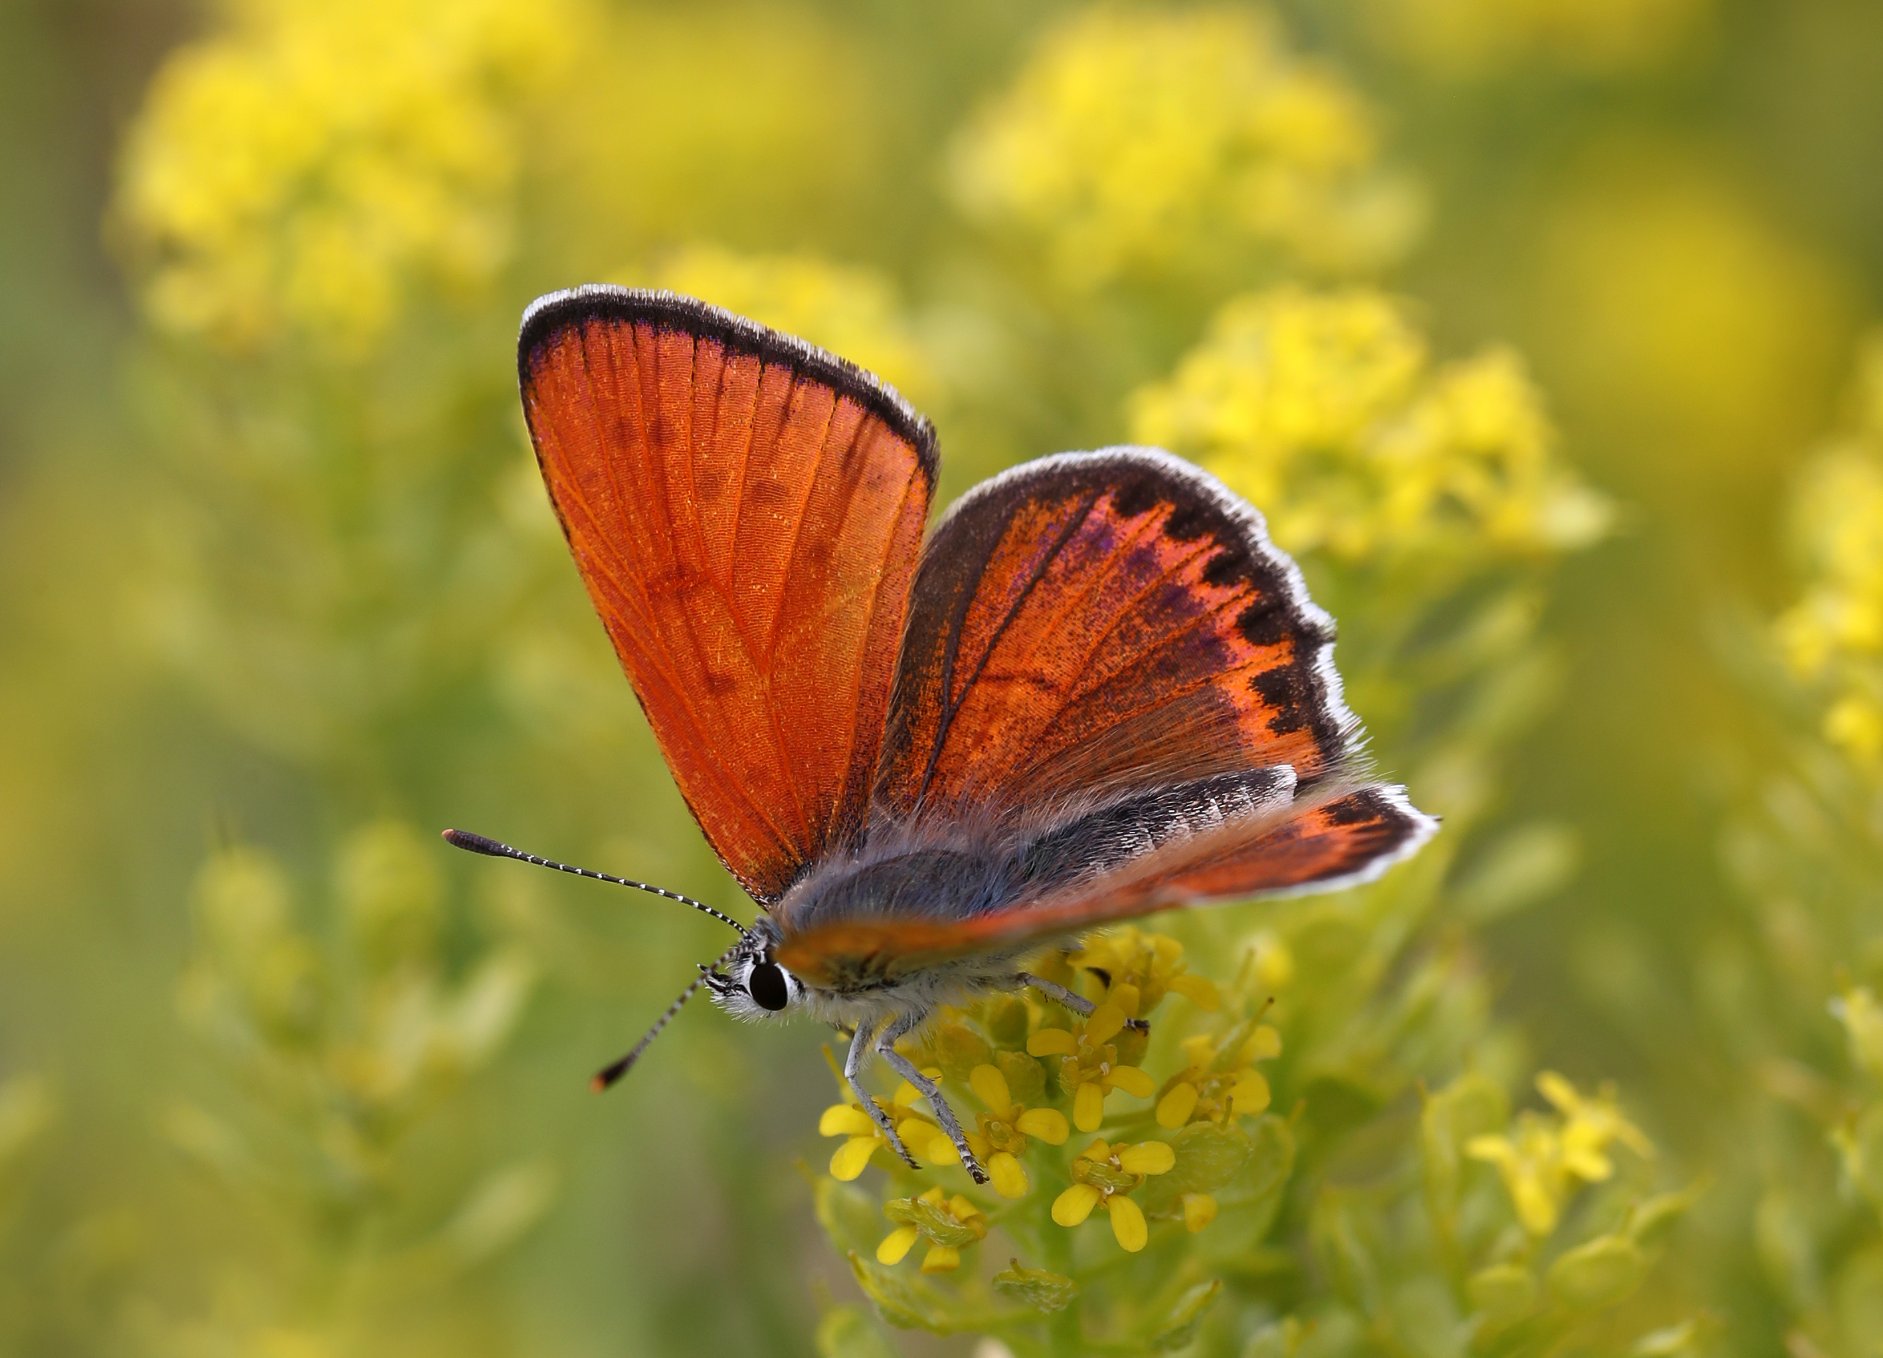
1065,1337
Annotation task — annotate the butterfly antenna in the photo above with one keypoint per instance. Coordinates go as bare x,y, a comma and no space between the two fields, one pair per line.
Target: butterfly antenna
615,1069
464,839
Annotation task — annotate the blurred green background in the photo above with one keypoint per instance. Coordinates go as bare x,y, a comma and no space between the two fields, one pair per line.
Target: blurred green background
1537,327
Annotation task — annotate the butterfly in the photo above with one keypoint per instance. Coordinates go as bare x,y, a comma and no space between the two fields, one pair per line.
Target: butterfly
1094,691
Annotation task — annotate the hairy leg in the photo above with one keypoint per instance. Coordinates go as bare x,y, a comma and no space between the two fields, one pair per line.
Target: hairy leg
1074,1001
908,1070
852,1066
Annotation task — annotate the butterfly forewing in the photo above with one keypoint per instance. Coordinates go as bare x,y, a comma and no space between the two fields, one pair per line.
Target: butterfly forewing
746,513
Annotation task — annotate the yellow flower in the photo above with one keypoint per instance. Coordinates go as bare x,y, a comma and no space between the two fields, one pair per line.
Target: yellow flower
1139,968
1326,409
1089,1068
306,168
949,1224
1221,1080
1832,638
1103,1176
1543,1161
1001,1135
926,1141
1152,143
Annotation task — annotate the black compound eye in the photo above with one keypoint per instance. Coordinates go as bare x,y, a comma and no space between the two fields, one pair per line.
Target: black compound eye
767,987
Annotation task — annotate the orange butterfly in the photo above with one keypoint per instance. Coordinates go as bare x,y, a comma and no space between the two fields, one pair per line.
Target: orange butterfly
1096,692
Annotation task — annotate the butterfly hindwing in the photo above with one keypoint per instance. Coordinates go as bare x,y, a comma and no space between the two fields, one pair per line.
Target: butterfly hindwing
1104,622
1268,847
746,512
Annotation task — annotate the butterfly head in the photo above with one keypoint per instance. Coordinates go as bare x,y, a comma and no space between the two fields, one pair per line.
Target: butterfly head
752,985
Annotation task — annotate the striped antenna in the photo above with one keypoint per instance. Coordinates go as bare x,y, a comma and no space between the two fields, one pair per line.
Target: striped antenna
464,839
614,1070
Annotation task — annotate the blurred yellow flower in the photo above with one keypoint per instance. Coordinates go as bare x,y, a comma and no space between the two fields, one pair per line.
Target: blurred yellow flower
308,168
948,1223
1089,1068
1327,410
849,309
1135,141
1104,1175
1544,1158
1687,311
1487,37
1833,636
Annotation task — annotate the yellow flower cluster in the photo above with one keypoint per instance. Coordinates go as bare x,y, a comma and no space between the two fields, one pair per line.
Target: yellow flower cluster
1038,1071
846,308
1483,37
303,169
1833,636
1545,1157
1139,142
1328,410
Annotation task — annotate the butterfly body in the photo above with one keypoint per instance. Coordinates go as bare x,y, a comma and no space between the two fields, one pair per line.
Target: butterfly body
1095,691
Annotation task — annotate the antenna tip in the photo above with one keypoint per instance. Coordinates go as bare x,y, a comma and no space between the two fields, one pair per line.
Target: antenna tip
597,1085
464,839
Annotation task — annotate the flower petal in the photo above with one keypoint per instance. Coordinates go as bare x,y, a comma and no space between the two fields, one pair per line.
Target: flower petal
1199,990
1075,1204
849,1160
1051,1042
1147,1157
1174,1109
1127,1223
990,1087
1107,1021
896,1245
941,1259
929,1143
1088,1107
1048,1124
1007,1174
1199,1210
1132,1080
845,1119
1251,1093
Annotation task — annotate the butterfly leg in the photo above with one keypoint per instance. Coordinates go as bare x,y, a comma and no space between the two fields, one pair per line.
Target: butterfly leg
908,1070
1074,1001
852,1065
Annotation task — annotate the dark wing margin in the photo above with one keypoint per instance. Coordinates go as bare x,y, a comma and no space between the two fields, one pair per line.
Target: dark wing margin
1093,624
746,512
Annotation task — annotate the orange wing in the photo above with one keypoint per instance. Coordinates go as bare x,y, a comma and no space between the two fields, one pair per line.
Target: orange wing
1097,622
1320,844
746,512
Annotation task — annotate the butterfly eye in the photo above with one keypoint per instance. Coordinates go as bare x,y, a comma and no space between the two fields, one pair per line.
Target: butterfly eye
766,985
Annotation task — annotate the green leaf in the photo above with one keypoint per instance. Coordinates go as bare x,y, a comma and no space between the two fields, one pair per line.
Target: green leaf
1599,1273
846,1332
500,1210
850,1216
1502,1293
1179,1327
906,1304
1040,1288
